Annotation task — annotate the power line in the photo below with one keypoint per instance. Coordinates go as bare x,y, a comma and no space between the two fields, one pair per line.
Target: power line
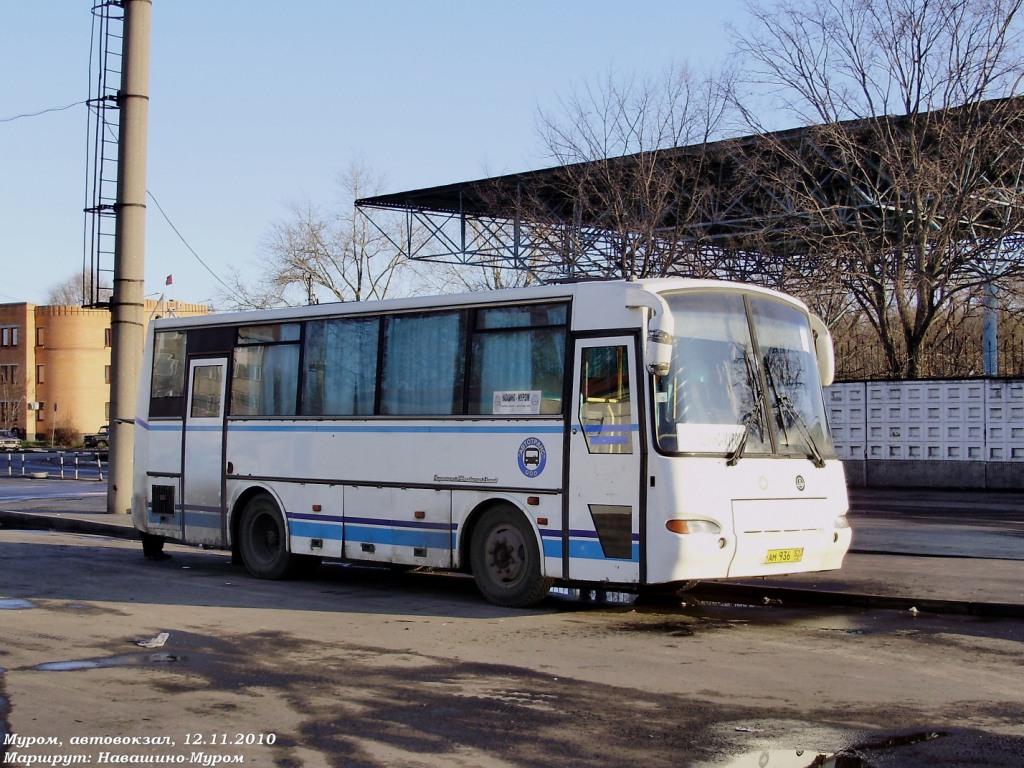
192,250
41,112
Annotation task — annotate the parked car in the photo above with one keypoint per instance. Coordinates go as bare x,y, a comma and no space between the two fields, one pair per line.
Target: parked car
9,440
100,439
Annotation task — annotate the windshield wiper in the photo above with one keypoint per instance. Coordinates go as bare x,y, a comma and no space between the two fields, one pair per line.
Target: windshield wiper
752,416
787,408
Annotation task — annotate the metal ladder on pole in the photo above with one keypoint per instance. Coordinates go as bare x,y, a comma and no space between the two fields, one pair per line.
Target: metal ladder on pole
100,230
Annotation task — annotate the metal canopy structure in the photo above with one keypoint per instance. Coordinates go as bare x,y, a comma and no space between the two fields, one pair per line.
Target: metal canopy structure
723,209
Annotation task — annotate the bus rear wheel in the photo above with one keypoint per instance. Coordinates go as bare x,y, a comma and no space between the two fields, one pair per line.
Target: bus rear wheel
506,561
263,540
153,547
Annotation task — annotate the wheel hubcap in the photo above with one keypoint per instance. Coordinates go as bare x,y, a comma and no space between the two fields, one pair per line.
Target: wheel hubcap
266,538
506,554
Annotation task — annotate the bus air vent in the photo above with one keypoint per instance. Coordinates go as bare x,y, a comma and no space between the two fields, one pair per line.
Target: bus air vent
613,524
163,500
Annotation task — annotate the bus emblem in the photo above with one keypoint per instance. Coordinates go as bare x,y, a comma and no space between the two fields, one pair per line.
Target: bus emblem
532,457
800,482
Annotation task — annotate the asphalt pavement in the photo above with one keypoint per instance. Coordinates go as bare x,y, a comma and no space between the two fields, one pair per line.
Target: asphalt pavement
916,550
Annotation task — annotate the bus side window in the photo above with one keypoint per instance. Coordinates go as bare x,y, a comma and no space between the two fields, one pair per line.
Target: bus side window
339,361
167,385
265,375
424,364
606,415
516,360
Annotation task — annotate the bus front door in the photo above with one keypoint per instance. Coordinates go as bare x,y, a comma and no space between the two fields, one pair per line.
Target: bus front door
604,462
202,467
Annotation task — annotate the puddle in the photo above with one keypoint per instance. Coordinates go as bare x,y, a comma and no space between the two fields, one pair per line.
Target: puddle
808,758
790,758
680,628
15,604
124,660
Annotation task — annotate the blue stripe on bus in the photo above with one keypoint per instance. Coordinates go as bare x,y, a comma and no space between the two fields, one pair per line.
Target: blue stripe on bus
404,429
609,440
604,428
195,519
400,523
591,550
372,521
371,535
314,530
315,517
552,547
159,426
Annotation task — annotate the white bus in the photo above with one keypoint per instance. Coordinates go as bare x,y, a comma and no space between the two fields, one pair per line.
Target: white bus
618,434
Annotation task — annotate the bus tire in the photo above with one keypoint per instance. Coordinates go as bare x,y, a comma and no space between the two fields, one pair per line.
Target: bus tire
262,539
505,560
153,547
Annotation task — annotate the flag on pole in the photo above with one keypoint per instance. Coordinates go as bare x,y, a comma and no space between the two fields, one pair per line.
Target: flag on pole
169,280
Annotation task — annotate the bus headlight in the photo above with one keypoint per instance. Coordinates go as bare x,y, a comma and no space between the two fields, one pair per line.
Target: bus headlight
841,522
693,526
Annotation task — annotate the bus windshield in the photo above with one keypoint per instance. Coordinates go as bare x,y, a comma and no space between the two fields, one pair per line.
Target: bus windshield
743,376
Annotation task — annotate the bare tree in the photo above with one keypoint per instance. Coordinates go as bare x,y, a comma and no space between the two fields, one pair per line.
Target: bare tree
636,215
324,253
72,291
908,192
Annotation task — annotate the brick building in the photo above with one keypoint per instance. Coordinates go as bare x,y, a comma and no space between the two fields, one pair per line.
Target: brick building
55,365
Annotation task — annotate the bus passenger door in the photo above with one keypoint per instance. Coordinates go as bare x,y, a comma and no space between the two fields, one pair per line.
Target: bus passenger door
202,455
604,462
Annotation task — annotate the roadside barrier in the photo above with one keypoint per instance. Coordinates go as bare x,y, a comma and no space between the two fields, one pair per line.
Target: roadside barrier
66,470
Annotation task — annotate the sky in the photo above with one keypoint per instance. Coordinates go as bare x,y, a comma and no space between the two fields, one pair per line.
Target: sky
256,106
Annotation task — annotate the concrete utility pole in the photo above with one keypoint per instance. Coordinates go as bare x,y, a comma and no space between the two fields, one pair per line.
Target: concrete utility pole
127,303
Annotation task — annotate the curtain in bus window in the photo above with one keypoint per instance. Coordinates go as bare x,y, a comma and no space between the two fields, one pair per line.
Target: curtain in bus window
265,380
517,372
340,367
424,364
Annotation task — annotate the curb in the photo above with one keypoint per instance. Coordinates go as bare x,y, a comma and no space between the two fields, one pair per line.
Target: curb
35,522
728,592
751,593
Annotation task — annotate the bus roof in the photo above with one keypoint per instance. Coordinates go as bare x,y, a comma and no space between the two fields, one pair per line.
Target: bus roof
603,291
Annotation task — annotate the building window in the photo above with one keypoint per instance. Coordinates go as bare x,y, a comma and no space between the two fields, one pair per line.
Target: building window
40,336
107,337
106,412
40,374
9,336
8,374
41,413
106,374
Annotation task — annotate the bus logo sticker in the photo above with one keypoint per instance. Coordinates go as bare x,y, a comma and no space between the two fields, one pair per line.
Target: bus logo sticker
532,457
800,482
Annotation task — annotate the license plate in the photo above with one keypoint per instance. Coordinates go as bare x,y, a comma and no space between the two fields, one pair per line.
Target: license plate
784,555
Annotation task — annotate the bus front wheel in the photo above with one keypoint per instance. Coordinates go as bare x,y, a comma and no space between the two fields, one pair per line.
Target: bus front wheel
506,561
264,541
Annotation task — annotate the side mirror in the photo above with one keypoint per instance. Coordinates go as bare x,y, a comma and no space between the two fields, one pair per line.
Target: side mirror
658,354
660,327
824,351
